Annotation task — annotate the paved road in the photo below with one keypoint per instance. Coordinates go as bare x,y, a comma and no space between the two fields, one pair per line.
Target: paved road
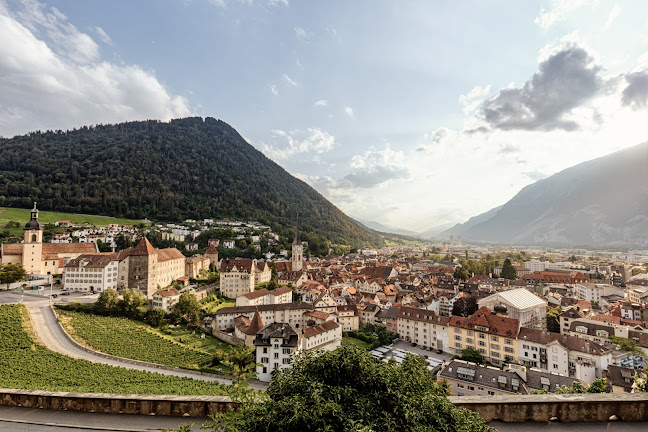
51,336
16,419
571,427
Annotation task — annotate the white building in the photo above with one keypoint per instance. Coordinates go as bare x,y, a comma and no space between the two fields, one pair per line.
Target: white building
91,272
423,327
165,299
521,304
563,354
266,297
239,276
277,343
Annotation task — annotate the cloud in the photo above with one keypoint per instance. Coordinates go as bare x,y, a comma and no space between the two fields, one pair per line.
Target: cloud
285,145
302,34
348,111
614,13
635,95
273,89
373,168
289,81
474,98
53,77
508,148
535,175
565,80
321,103
103,35
559,11
273,3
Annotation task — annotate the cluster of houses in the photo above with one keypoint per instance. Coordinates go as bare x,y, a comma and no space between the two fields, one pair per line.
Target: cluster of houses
87,234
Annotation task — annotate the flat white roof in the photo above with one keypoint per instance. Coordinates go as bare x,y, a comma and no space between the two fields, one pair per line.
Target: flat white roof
520,298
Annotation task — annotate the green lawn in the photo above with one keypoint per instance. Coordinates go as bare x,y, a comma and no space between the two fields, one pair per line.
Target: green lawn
347,340
25,364
22,216
212,307
137,340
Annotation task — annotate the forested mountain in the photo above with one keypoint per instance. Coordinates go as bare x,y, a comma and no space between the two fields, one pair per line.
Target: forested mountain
187,168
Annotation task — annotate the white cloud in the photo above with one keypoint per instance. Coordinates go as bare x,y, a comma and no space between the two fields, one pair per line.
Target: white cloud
559,11
273,89
321,103
289,81
471,100
103,35
302,33
285,145
53,77
273,3
614,13
348,111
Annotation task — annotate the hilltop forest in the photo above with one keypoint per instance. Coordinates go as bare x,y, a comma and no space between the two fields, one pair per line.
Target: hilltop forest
187,168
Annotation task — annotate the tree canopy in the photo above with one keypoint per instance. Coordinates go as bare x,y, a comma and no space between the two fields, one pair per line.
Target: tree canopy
348,390
508,271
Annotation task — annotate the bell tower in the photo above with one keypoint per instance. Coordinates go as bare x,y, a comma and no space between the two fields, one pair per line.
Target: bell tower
33,244
297,252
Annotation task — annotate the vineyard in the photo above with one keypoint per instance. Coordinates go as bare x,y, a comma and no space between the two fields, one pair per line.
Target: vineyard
127,338
25,364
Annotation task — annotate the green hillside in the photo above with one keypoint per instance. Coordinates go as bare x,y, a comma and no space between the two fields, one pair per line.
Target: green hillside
187,168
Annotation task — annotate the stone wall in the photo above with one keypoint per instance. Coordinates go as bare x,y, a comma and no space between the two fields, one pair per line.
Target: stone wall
161,405
566,408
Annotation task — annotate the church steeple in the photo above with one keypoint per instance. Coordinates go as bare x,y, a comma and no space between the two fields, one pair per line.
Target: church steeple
33,229
297,252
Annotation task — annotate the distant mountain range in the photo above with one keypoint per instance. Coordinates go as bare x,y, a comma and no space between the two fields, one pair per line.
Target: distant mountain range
602,202
377,226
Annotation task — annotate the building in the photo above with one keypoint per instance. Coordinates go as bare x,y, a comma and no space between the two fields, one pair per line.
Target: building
146,268
566,355
470,379
266,297
423,327
494,336
520,304
38,258
91,272
297,257
239,276
291,313
277,344
196,264
165,299
348,317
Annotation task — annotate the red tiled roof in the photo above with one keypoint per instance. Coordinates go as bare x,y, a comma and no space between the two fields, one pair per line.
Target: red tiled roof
497,325
320,328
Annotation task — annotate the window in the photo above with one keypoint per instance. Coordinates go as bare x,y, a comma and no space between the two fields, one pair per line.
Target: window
286,350
494,338
265,360
286,361
491,393
471,388
482,343
482,336
460,385
458,344
457,337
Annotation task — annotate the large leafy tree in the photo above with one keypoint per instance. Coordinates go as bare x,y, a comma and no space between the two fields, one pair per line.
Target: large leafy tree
10,273
465,306
508,271
132,304
107,302
187,310
348,390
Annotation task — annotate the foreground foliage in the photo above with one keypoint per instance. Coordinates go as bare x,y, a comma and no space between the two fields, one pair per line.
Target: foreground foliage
25,364
348,390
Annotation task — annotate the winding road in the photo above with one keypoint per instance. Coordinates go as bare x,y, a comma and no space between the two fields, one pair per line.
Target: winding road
52,336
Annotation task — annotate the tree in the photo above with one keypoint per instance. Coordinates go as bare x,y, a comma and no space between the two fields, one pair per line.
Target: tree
508,271
471,355
348,390
628,345
553,319
10,273
107,302
461,273
187,310
599,385
132,303
155,316
464,306
240,362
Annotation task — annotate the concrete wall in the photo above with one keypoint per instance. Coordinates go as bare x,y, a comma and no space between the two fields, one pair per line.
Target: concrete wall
566,408
162,405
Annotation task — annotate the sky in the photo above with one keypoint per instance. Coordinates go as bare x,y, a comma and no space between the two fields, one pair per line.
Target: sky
410,113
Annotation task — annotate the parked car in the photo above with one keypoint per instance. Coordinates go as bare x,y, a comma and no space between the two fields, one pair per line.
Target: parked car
65,293
439,351
54,295
413,344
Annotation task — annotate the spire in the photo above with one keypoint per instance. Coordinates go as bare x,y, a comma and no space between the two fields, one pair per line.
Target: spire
297,240
33,223
256,324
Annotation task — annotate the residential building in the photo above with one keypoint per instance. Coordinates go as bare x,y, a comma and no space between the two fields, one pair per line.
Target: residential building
266,297
494,336
470,379
348,317
291,313
194,265
423,327
91,272
165,299
238,276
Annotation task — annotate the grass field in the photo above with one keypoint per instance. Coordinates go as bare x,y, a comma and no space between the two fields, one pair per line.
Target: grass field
211,307
25,364
22,216
128,338
347,340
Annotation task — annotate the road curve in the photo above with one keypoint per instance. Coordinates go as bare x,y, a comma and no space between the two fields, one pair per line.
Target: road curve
52,336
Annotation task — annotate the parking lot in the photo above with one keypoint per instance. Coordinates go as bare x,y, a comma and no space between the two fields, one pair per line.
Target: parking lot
400,349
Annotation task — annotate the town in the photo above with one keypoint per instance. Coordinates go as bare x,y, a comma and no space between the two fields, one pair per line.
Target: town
540,321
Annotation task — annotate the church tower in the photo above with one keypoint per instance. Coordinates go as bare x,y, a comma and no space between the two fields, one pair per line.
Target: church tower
33,244
297,253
